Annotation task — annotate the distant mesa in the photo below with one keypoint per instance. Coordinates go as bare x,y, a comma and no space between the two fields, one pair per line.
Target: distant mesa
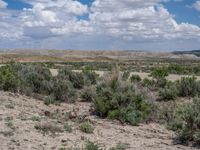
193,52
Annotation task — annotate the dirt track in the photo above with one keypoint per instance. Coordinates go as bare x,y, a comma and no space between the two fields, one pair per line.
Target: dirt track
18,119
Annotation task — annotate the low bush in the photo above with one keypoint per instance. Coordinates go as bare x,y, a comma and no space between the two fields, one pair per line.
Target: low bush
91,146
48,128
125,75
149,83
64,91
88,94
160,74
49,100
35,79
135,78
67,128
86,127
118,100
176,69
187,123
9,80
90,77
188,86
76,78
169,92
120,146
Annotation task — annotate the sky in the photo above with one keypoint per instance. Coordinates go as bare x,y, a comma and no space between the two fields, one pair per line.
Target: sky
156,25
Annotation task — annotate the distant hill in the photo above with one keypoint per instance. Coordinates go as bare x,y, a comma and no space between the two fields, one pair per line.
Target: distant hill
194,52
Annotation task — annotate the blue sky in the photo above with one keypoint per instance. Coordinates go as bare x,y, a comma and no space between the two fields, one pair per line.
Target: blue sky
183,11
100,24
17,4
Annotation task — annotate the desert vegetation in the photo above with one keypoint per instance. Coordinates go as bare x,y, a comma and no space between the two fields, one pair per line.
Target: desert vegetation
122,97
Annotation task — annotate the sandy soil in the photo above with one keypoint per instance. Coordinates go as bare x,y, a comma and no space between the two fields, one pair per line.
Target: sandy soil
20,114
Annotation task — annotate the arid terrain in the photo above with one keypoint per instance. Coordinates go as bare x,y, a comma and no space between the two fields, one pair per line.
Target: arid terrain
19,115
99,74
116,100
87,56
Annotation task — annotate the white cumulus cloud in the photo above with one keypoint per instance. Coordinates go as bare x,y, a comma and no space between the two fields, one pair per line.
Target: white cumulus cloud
196,5
138,19
120,21
3,4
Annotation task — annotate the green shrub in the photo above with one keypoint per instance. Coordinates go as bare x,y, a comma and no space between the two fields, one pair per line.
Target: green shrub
170,92
35,79
64,91
160,74
176,69
120,146
88,94
86,127
188,118
188,86
68,128
9,80
118,100
77,79
90,77
135,78
91,146
125,75
36,118
48,128
150,83
49,100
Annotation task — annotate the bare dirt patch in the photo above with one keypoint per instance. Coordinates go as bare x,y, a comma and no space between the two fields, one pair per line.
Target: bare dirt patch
26,124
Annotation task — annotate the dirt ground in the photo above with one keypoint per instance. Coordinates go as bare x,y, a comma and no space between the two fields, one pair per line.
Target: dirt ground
19,116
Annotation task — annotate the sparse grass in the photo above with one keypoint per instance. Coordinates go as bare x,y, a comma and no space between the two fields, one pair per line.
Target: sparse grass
49,100
10,125
67,128
62,148
120,146
48,128
10,106
9,119
91,146
36,118
86,127
7,133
